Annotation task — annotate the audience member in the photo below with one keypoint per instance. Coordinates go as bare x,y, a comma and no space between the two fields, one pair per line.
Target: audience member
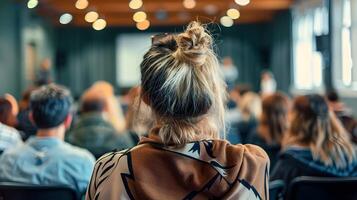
111,104
25,125
267,83
343,113
251,107
46,159
273,124
230,71
43,75
9,137
233,114
316,144
182,158
94,132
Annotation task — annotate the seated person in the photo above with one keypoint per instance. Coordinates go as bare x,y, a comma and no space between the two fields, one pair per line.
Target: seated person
94,132
250,106
316,144
273,125
45,159
182,157
24,124
9,137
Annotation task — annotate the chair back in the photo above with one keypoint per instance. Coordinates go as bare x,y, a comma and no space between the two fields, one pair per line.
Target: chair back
17,191
276,190
327,188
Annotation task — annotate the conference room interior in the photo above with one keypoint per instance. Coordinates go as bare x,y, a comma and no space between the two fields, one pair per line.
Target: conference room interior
289,73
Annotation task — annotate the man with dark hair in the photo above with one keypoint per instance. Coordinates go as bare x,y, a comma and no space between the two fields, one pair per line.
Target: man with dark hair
94,132
46,159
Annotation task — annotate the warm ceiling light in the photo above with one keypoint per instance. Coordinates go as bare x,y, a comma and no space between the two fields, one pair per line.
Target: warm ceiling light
32,3
143,25
91,16
135,4
139,16
242,2
233,13
81,4
65,18
189,4
99,24
226,21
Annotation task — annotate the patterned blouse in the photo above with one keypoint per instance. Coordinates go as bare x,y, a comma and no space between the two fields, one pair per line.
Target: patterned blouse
206,169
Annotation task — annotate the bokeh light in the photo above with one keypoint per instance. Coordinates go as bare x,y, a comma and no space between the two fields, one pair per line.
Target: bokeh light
233,13
91,16
139,16
65,18
99,24
226,21
143,25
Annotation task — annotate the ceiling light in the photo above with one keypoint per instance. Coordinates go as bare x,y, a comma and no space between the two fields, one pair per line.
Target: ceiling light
81,4
135,4
139,16
242,2
189,4
233,13
32,3
143,25
226,21
91,16
65,18
99,24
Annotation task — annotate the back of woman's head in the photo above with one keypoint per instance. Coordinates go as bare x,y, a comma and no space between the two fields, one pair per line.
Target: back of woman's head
182,84
274,117
250,106
314,125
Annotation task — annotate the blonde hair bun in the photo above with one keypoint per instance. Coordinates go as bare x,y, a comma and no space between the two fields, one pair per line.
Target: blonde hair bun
193,45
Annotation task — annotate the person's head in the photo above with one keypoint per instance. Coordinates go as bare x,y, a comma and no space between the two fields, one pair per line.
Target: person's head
250,106
238,91
227,61
51,107
181,82
46,64
92,106
332,96
7,116
314,125
266,75
25,99
274,118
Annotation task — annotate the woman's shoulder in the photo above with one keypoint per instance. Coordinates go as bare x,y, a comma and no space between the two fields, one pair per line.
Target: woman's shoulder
245,152
244,148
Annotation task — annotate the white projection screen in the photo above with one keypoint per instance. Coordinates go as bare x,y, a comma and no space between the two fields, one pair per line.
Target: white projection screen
130,49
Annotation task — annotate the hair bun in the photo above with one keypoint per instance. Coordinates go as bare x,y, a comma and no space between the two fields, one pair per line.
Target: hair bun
193,44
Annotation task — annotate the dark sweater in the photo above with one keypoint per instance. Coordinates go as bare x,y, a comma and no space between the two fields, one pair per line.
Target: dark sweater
295,162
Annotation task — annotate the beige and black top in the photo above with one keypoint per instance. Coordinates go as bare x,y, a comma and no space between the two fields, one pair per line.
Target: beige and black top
206,169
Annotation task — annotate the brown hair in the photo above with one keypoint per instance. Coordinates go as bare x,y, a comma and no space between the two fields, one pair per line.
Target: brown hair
274,117
182,84
315,126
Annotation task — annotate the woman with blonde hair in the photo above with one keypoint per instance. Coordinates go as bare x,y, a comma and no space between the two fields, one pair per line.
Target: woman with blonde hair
182,158
316,144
